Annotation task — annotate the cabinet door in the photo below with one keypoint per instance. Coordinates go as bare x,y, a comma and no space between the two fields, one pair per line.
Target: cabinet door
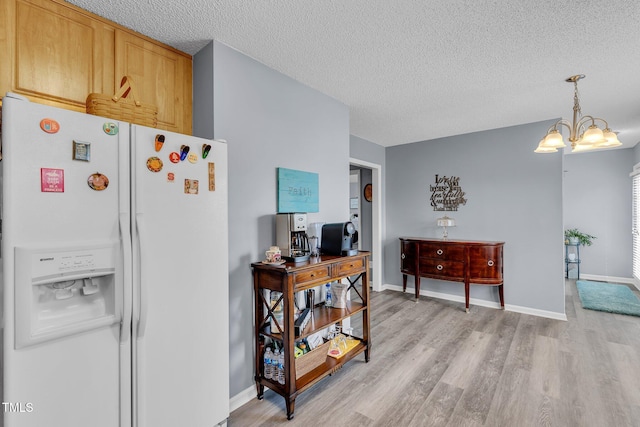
162,76
485,264
60,55
407,257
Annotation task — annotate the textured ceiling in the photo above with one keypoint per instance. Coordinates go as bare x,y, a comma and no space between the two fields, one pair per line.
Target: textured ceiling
414,70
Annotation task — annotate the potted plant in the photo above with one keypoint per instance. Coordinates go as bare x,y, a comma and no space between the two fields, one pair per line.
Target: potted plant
576,237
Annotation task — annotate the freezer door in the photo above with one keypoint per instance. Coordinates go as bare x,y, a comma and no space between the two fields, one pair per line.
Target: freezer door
60,192
180,279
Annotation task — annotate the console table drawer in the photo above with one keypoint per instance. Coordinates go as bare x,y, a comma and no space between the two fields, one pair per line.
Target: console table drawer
312,275
441,251
445,269
344,268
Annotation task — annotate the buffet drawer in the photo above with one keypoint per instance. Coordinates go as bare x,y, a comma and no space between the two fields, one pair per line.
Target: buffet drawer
443,268
441,251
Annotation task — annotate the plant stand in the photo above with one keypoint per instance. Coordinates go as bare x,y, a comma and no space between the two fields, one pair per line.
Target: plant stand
572,256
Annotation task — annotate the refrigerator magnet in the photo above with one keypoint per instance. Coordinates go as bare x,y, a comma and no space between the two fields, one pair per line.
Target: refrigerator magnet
49,125
51,180
110,128
184,150
81,151
212,176
154,164
192,158
171,177
159,142
190,186
205,150
174,157
98,181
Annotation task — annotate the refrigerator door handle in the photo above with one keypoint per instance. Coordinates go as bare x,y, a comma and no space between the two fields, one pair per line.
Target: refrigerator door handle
142,319
125,327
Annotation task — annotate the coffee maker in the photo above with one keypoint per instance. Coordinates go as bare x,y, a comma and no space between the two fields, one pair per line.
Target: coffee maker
339,238
291,236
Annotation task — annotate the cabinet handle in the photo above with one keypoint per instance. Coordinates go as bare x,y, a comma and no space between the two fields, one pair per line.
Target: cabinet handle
490,263
402,256
439,251
439,267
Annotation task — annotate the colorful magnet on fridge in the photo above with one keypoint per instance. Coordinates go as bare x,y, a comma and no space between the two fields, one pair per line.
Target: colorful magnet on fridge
184,150
154,164
192,158
81,151
174,157
98,181
171,177
51,180
110,128
49,125
212,176
190,186
205,150
159,142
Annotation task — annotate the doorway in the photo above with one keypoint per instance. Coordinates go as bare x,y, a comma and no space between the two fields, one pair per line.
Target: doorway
369,214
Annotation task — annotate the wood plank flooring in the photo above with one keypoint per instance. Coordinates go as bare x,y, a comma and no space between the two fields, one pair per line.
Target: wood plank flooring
432,364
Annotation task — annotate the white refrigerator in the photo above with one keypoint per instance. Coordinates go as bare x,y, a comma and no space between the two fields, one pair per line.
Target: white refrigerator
114,273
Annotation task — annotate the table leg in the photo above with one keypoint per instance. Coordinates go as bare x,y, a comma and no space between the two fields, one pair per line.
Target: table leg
417,282
501,294
404,283
466,295
291,403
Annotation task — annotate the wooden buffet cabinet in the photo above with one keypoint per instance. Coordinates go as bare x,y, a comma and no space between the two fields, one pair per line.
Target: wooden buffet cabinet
288,279
470,262
55,53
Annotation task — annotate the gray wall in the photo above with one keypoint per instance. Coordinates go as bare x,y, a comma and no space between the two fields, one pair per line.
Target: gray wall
597,201
269,121
514,195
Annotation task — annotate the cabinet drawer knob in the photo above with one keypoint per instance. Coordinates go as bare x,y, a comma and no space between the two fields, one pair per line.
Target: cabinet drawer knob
439,267
490,263
402,256
439,251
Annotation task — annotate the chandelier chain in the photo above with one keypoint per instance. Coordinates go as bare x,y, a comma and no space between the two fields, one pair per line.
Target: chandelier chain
576,99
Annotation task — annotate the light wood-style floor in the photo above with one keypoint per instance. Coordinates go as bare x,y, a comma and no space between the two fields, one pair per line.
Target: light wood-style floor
434,365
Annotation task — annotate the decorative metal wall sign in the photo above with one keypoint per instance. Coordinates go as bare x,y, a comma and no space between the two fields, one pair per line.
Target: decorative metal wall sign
446,194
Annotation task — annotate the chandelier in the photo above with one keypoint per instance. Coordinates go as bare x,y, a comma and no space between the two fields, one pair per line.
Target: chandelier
584,134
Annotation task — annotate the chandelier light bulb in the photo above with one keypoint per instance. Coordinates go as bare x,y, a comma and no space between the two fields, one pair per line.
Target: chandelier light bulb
611,139
593,135
554,139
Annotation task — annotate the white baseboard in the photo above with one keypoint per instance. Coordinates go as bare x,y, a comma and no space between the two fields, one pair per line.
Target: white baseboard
484,303
245,396
611,279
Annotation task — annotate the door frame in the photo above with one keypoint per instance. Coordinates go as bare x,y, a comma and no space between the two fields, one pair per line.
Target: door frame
377,229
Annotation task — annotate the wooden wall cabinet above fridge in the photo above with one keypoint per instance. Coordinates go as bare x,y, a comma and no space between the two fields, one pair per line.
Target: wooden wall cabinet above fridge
57,54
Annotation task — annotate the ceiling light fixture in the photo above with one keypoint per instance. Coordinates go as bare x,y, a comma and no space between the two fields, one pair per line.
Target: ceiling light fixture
584,134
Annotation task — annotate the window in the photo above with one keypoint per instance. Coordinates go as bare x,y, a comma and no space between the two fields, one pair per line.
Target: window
635,221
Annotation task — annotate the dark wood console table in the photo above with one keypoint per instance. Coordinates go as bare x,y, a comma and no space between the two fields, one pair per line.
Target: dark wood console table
471,262
287,279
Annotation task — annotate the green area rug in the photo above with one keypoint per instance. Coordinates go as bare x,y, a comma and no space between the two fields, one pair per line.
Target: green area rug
609,297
